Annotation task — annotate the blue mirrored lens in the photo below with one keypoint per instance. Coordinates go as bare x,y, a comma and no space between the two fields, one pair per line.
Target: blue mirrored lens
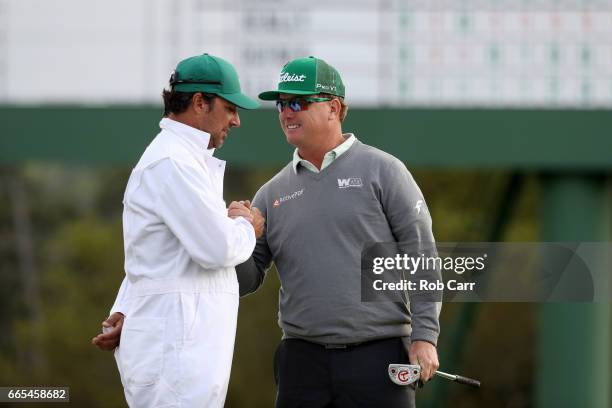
293,104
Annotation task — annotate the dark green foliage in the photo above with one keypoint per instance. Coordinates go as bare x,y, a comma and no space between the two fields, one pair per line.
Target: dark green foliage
78,247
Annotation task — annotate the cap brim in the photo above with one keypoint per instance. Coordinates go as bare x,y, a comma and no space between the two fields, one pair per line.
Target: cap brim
240,100
273,95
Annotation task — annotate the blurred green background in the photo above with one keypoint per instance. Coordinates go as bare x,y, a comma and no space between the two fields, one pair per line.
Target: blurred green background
77,242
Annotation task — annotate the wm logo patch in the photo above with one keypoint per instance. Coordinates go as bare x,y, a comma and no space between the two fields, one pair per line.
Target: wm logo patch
350,182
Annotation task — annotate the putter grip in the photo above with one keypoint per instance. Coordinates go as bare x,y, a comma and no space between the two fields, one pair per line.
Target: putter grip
467,381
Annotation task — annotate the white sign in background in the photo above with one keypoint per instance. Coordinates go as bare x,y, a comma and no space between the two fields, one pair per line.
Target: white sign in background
481,53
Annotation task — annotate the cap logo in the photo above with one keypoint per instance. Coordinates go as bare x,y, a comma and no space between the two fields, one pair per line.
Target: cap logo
287,77
326,87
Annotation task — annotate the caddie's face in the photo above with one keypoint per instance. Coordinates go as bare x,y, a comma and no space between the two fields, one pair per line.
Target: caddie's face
221,117
302,128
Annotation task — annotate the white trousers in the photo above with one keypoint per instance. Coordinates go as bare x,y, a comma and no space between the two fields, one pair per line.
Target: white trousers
176,349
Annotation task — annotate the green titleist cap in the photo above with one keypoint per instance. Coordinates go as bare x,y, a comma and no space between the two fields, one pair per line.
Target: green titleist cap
207,73
307,76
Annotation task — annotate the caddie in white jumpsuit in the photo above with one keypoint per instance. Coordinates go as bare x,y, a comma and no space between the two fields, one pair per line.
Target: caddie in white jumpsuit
180,293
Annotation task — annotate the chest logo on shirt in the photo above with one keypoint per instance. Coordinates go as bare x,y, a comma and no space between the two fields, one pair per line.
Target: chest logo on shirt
350,182
287,197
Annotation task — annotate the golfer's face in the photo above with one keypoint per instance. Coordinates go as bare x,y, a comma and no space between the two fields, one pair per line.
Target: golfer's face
222,117
302,125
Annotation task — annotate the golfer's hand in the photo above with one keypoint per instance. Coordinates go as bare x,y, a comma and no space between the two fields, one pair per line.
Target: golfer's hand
425,355
110,340
240,209
258,221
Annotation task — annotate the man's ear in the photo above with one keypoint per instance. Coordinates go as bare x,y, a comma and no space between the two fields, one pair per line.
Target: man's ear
334,109
198,103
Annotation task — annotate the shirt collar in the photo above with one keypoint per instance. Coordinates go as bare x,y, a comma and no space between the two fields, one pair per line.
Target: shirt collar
349,138
196,138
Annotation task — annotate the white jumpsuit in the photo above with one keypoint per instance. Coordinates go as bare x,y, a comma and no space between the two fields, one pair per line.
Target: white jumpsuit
180,293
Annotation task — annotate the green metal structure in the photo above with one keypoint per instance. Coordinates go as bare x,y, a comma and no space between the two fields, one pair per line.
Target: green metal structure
574,338
570,149
567,140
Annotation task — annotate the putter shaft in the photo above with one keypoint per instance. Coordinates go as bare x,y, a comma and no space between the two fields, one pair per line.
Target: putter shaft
459,379
446,375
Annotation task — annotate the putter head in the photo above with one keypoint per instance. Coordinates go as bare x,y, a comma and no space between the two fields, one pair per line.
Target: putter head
404,374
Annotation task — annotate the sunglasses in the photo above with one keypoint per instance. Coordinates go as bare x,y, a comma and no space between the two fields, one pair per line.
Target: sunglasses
298,104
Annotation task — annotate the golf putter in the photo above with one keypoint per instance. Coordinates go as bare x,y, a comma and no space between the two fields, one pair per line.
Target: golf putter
404,374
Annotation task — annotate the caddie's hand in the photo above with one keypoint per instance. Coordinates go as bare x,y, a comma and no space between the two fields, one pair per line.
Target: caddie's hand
110,340
239,209
424,354
258,221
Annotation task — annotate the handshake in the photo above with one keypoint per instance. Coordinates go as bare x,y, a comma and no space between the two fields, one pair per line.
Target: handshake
252,215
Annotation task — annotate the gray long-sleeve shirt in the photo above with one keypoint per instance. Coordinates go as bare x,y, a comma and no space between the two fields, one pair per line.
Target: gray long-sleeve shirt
317,225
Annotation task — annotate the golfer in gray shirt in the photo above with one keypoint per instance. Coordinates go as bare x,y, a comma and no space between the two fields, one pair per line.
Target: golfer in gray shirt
334,197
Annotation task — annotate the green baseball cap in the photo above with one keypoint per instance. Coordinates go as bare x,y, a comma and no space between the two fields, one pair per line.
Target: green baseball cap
307,76
207,73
